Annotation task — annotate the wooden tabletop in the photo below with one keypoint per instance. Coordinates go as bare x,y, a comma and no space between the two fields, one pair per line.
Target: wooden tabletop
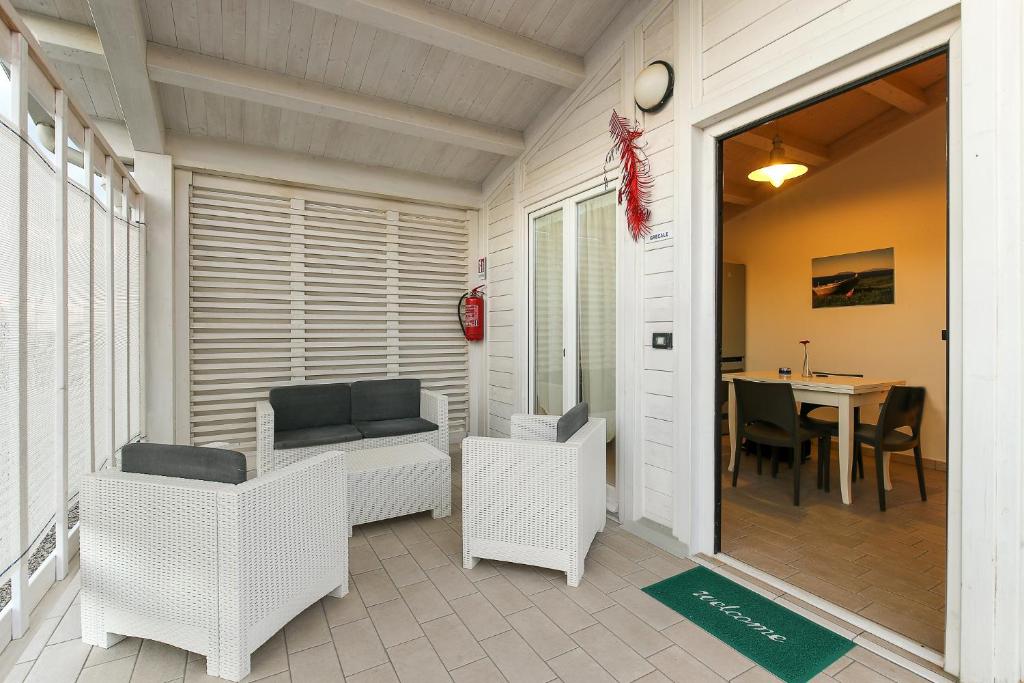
832,384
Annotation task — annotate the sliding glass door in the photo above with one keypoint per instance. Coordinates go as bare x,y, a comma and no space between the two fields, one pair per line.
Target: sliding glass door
572,306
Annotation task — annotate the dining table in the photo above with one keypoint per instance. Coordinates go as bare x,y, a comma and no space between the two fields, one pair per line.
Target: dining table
843,392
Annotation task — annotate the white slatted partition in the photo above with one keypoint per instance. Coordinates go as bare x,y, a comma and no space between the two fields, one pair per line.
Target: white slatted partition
291,286
57,277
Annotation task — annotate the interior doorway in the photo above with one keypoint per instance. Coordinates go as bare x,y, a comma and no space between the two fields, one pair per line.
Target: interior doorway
849,254
573,253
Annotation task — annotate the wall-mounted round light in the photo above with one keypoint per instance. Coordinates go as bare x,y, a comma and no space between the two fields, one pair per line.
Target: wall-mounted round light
653,87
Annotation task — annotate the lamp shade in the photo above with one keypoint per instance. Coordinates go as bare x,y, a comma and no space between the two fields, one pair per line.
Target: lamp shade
653,86
779,168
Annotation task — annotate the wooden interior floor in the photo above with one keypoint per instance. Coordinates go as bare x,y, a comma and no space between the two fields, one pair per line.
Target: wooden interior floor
889,567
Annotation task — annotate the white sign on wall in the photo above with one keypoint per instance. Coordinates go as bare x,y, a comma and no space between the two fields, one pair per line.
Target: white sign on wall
662,233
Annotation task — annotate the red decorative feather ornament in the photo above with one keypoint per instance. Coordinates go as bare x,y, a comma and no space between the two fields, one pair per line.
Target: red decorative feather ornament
635,184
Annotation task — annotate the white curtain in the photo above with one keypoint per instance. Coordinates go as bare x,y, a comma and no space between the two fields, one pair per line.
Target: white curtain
596,306
548,314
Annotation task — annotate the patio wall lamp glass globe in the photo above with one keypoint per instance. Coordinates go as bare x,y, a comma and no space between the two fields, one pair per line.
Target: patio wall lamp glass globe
779,169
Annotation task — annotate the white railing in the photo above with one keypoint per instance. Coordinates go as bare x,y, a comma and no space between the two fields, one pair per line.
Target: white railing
72,246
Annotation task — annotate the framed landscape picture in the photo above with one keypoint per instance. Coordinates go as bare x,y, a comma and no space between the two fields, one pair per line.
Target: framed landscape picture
864,278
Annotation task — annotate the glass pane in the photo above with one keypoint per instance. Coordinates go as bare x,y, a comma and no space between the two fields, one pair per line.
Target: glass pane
547,314
596,306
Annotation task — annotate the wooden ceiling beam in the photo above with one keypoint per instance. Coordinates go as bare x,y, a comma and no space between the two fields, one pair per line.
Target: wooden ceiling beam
64,41
123,37
221,77
438,26
898,91
733,193
795,147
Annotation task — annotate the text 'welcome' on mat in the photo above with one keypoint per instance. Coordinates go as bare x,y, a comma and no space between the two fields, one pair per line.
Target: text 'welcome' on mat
788,645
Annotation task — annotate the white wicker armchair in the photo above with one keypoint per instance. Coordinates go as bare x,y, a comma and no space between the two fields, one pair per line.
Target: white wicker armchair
532,500
212,568
433,407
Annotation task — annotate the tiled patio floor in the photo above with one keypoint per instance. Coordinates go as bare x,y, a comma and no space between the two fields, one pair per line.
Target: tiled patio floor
414,615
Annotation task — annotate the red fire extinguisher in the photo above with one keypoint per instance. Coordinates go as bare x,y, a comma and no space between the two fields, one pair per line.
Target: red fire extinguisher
472,320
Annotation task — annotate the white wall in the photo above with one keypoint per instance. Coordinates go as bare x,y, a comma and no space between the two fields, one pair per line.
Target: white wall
891,193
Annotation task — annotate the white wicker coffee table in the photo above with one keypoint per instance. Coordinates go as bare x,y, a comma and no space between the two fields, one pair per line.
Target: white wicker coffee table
398,480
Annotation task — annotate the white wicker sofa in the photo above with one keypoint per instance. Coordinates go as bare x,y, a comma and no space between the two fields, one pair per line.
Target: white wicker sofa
347,417
531,499
213,568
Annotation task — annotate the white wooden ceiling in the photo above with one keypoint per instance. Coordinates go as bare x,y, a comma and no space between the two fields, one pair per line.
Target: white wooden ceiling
294,39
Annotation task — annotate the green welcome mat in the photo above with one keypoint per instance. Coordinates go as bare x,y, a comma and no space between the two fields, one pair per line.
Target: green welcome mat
793,648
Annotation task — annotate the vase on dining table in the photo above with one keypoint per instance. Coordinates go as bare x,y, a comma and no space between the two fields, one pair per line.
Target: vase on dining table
806,370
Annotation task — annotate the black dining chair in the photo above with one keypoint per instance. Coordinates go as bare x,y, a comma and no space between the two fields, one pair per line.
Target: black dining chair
766,415
828,429
903,410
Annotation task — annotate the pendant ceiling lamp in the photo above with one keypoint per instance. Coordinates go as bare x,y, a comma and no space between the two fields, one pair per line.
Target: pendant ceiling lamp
779,169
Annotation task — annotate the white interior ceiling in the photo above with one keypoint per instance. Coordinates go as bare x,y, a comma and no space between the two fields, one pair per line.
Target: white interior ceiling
489,93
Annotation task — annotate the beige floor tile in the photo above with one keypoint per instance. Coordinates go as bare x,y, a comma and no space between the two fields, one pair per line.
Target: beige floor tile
115,671
525,578
59,663
618,563
715,654
480,671
858,673
403,570
642,578
604,578
425,601
428,555
586,595
452,641
315,664
344,610
129,647
541,633
387,545
158,663
408,531
416,662
375,587
883,666
32,643
682,667
483,569
450,580
647,608
654,677
664,567
385,673
359,647
362,559
757,675
505,597
576,666
447,540
562,610
516,659
617,658
394,622
632,630
70,626
479,616
307,630
630,546
19,672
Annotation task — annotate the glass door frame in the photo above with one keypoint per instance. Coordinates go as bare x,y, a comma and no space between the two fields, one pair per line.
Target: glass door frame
570,293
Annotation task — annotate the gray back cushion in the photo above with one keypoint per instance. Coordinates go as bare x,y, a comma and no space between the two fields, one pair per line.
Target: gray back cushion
311,405
385,399
185,462
572,421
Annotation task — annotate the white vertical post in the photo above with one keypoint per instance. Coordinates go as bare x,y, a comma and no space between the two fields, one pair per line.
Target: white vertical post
60,444
90,188
142,317
19,110
126,207
111,351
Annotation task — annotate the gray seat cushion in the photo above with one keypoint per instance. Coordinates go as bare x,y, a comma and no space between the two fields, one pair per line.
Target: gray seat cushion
315,436
311,405
184,462
398,427
572,421
385,399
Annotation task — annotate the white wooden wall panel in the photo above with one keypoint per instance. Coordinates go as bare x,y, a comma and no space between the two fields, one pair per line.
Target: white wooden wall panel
499,311
285,289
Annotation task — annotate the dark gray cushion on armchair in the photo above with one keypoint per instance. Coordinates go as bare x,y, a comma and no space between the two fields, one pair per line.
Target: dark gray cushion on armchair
385,399
315,436
572,421
311,405
399,427
184,462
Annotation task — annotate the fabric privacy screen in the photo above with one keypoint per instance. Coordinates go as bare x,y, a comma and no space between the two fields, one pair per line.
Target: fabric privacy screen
291,286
